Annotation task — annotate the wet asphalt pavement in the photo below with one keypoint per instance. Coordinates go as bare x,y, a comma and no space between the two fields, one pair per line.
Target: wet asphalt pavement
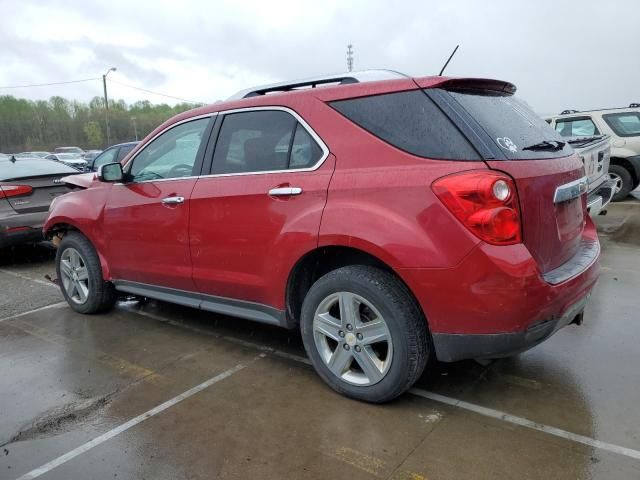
112,396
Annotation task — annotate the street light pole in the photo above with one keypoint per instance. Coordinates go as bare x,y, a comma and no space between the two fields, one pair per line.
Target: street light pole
106,103
135,127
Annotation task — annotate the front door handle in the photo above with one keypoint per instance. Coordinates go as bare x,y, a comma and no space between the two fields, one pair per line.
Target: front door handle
285,191
172,200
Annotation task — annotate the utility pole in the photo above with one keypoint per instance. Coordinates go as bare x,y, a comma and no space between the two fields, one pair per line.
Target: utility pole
350,57
106,103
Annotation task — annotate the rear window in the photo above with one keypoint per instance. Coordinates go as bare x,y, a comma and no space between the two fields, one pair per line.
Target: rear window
410,121
32,168
624,124
511,124
576,127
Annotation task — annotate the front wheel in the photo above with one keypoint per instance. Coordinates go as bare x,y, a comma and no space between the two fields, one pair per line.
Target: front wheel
80,275
364,333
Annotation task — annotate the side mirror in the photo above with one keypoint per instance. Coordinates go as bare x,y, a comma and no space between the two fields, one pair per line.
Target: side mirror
111,172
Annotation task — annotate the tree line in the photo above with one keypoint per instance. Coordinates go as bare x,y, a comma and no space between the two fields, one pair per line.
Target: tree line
33,125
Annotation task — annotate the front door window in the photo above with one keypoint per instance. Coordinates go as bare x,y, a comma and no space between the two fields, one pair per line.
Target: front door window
171,155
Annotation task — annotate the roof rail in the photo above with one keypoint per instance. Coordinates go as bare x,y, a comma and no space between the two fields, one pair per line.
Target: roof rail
634,105
313,82
565,112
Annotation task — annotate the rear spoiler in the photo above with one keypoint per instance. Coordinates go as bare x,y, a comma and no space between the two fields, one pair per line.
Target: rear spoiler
479,84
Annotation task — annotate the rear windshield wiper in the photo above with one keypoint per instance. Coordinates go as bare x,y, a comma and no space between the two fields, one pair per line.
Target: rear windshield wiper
550,145
582,141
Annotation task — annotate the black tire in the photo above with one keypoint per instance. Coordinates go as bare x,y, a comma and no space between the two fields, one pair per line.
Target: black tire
410,338
101,295
627,182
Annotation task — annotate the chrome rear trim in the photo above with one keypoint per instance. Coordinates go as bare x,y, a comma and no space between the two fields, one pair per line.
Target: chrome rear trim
571,190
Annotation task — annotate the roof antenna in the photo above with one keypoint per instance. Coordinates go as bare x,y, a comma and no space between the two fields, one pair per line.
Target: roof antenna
448,60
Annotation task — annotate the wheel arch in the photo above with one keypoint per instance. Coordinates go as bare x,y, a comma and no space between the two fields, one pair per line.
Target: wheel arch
60,227
623,162
322,260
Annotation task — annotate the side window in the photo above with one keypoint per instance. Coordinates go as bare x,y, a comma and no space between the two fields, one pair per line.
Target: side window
410,121
262,141
624,124
305,152
171,155
108,156
576,127
124,151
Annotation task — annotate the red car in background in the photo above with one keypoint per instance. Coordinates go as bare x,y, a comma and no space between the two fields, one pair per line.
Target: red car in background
395,220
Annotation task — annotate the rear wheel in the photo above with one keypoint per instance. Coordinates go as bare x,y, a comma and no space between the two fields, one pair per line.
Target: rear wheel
364,333
80,275
624,182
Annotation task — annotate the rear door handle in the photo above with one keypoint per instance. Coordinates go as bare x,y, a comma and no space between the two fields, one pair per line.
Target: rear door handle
172,200
285,191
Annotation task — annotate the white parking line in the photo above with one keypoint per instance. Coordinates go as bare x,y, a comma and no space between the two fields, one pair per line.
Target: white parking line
127,425
46,307
25,277
523,422
478,409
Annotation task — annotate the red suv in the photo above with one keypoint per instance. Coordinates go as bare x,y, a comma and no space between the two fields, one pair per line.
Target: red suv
395,220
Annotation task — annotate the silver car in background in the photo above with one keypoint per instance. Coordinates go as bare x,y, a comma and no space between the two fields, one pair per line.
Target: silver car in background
74,160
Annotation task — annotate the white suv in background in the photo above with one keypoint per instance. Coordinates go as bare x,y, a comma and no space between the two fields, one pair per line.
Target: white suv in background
623,126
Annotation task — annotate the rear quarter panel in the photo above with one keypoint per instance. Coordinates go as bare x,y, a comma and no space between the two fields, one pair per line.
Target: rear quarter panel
380,199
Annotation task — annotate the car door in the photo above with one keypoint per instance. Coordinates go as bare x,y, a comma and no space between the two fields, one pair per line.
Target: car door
146,218
259,210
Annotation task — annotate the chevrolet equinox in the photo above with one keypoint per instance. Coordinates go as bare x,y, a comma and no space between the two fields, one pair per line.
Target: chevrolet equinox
394,220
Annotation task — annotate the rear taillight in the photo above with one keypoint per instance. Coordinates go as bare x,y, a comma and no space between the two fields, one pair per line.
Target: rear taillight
15,190
485,202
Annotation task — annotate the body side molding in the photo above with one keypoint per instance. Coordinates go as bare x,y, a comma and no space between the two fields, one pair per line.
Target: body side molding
210,303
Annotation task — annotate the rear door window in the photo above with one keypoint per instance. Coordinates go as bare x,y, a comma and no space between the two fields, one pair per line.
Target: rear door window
263,141
512,125
124,151
576,127
305,152
624,124
410,121
108,156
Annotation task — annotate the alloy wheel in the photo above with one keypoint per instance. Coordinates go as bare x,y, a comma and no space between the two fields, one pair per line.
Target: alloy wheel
617,186
352,338
75,276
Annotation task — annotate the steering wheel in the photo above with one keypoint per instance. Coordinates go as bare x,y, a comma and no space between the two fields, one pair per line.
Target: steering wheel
180,170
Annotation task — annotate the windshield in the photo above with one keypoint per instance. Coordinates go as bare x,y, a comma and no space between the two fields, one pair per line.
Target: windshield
512,124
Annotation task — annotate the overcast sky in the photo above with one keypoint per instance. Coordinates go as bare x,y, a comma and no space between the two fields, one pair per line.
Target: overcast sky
560,54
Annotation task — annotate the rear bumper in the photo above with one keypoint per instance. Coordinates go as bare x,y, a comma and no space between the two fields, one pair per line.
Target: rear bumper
19,236
453,347
21,228
497,302
598,200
